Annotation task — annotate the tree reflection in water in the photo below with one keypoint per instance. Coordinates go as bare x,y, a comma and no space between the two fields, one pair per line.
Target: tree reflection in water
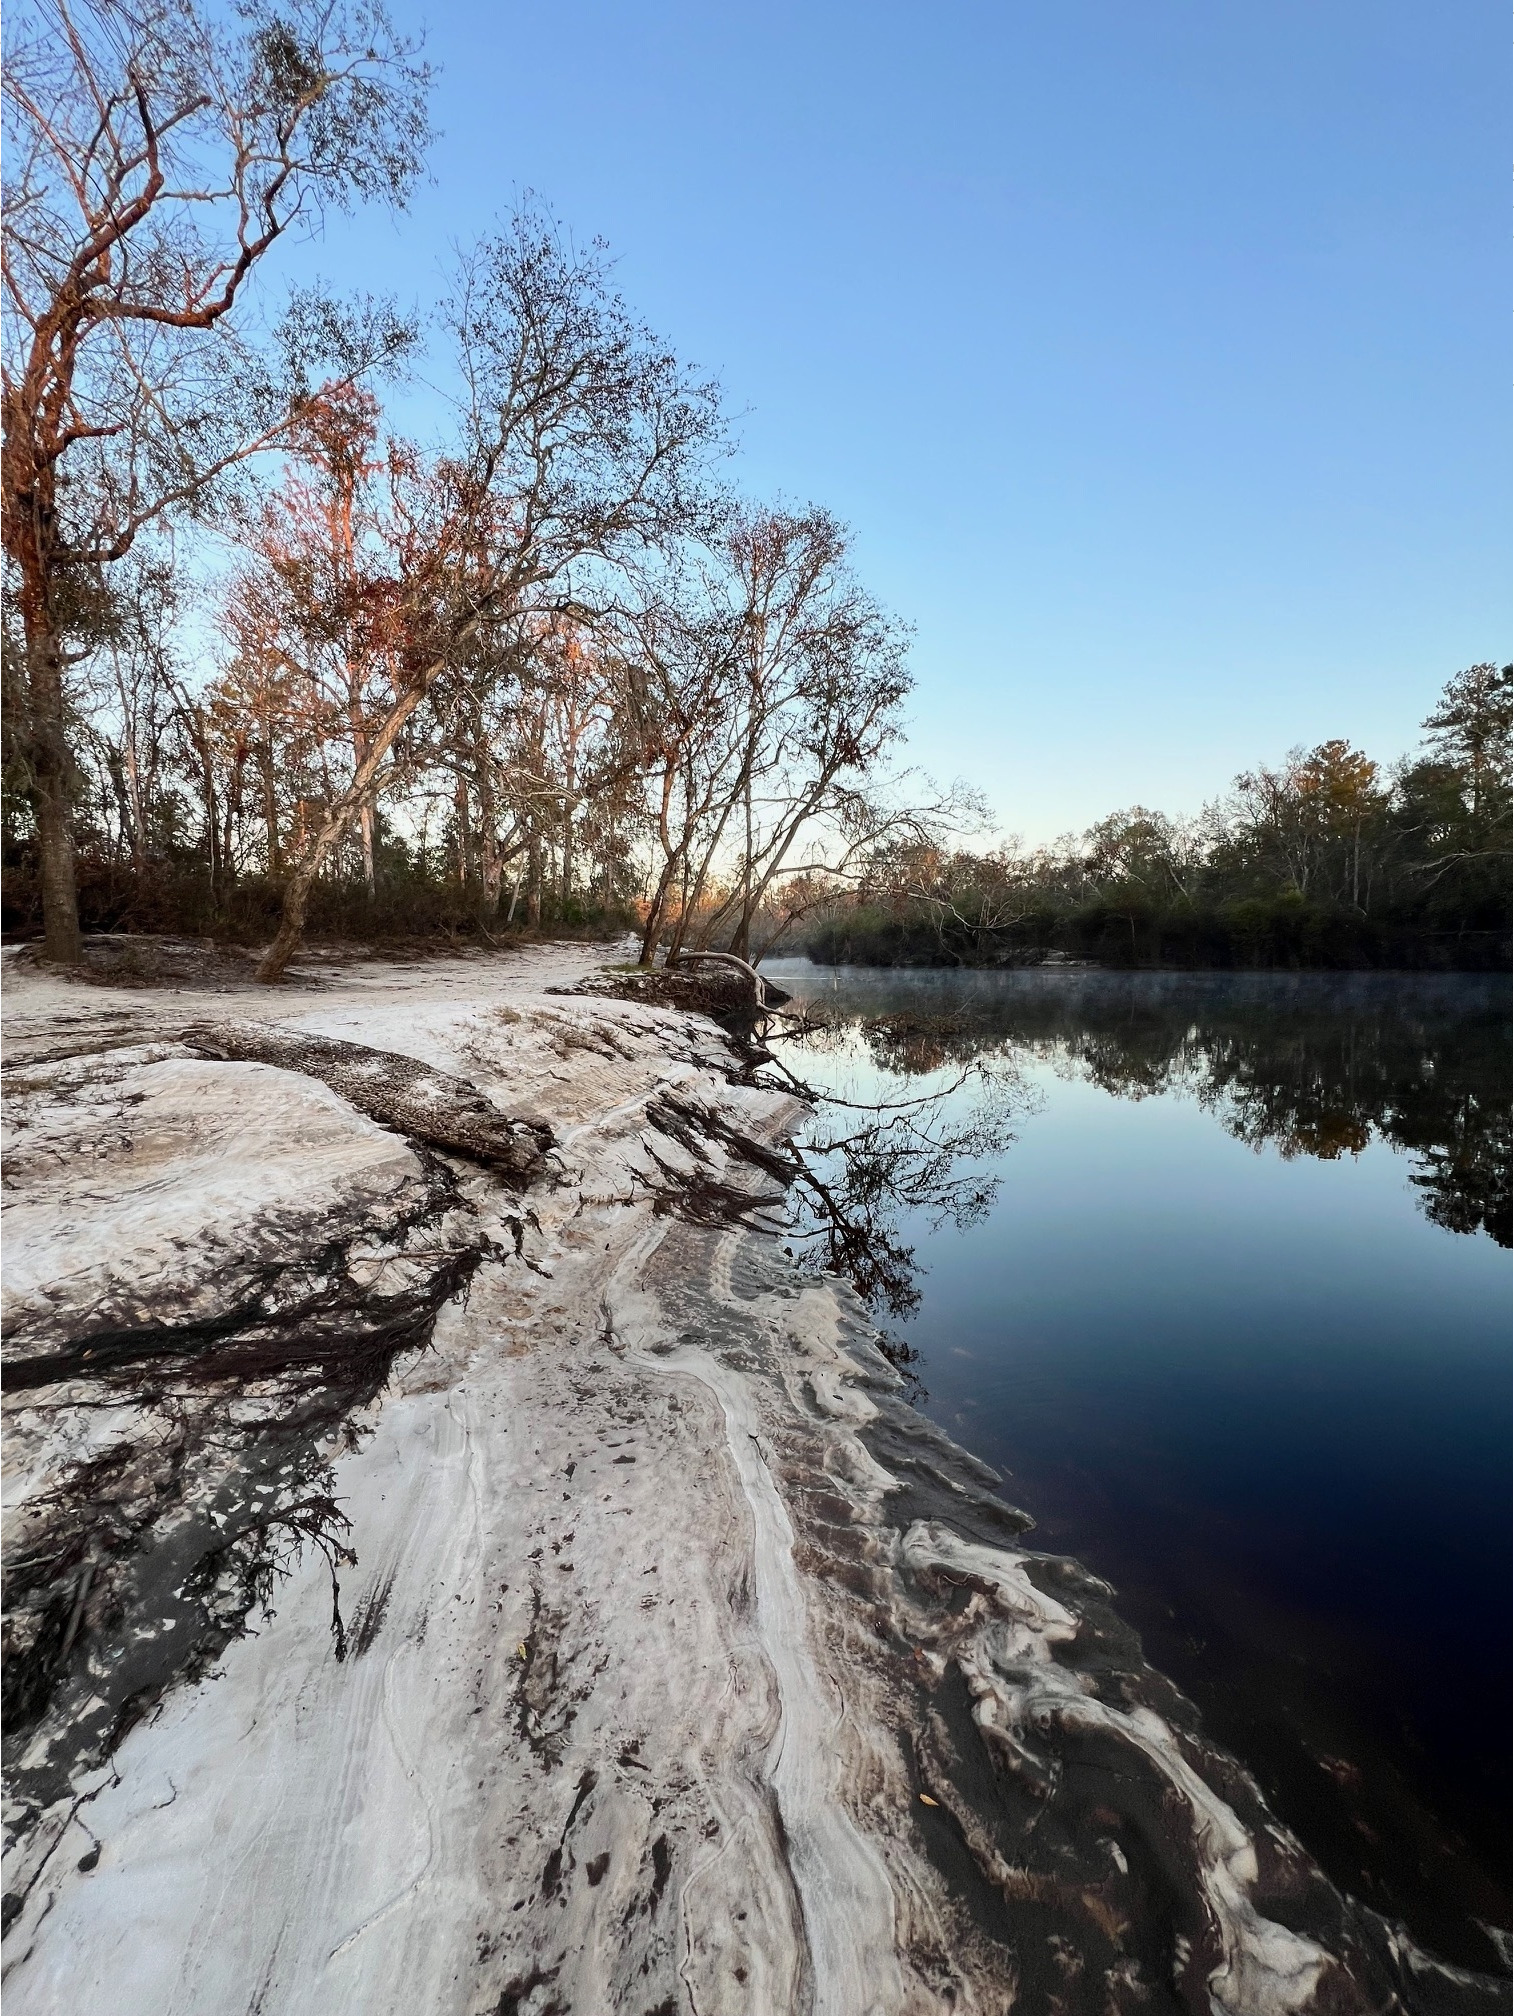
863,1163
1309,1066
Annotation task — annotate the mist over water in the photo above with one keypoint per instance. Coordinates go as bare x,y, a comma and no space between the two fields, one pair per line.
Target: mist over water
1222,1287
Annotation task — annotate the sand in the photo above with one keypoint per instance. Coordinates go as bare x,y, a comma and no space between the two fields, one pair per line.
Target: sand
438,1587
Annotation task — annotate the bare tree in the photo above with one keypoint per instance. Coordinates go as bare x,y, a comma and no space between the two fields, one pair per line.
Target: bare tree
771,689
313,608
583,446
689,731
127,698
154,157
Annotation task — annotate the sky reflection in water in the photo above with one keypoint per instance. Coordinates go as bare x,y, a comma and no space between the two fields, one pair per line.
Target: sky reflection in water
1236,1322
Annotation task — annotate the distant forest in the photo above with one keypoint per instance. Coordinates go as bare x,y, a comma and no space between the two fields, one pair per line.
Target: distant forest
272,666
1327,860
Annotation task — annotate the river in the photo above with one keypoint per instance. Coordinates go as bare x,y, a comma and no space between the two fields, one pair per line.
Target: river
1214,1270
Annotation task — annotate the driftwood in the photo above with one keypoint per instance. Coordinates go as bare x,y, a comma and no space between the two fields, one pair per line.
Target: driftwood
763,995
414,1099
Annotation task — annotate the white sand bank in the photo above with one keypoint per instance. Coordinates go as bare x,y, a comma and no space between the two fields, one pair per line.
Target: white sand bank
679,1670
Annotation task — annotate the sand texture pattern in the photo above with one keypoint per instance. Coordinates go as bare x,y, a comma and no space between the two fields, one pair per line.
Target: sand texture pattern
457,1564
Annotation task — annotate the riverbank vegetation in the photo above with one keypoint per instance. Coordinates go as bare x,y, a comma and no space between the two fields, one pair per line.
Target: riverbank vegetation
270,662
273,664
1328,859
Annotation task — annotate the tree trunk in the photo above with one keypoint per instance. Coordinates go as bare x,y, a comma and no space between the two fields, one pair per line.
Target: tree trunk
657,912
491,869
134,794
359,736
742,936
358,793
199,735
50,770
338,819
231,818
687,897
368,874
117,774
570,788
649,935
464,835
292,923
491,866
270,806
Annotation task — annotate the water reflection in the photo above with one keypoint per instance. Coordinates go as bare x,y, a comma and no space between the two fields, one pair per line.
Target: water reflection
1264,1394
1318,1066
869,1160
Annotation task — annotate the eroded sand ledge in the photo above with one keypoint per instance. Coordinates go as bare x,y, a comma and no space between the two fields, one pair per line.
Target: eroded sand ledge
680,1665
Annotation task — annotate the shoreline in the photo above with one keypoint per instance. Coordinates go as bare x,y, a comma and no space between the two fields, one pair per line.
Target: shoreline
680,1666
1066,962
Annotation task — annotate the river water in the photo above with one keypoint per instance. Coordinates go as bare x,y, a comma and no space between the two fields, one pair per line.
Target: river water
1215,1271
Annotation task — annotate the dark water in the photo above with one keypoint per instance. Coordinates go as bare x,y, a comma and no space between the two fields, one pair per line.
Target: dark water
1235,1323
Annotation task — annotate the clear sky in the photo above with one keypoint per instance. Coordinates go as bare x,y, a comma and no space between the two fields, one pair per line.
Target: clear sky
1155,350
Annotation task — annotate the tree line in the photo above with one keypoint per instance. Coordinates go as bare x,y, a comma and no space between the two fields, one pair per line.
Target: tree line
1326,859
545,668
271,664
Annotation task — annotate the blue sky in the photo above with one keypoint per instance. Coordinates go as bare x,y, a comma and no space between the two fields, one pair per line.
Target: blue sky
1156,353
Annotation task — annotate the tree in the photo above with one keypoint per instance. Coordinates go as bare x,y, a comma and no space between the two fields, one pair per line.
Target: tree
688,734
583,445
826,676
130,678
154,158
1307,822
1471,728
314,610
771,689
1159,856
417,617
1455,803
530,727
